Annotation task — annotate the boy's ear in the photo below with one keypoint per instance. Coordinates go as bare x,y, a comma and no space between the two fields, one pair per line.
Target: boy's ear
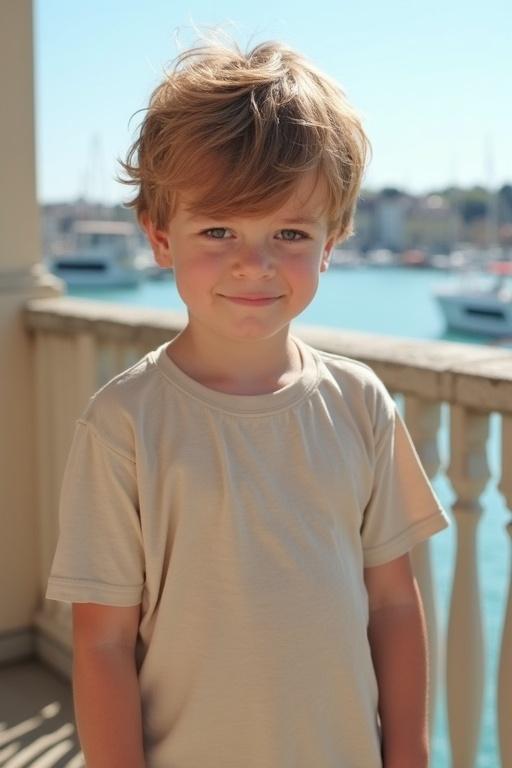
159,241
326,256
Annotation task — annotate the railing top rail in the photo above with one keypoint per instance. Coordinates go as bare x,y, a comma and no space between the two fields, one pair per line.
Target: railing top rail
477,376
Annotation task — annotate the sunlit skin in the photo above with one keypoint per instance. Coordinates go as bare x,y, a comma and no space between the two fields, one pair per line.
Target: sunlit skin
243,279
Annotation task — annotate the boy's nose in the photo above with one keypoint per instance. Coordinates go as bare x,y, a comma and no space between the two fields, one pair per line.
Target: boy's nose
253,262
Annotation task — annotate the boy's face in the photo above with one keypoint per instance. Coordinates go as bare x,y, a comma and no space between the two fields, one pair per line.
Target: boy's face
246,277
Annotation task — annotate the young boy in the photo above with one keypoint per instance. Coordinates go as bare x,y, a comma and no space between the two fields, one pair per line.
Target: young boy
238,507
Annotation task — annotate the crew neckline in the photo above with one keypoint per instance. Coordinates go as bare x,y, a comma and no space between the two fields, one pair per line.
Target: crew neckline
269,402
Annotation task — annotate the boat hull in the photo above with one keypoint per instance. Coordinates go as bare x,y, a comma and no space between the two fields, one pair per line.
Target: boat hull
488,315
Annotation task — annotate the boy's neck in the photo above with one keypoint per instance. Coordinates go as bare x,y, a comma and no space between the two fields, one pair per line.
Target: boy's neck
245,367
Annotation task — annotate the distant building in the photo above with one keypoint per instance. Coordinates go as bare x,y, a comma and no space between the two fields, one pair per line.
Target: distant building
364,235
390,220
432,225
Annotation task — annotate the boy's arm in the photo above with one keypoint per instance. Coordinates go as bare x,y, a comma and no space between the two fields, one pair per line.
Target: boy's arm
397,636
105,685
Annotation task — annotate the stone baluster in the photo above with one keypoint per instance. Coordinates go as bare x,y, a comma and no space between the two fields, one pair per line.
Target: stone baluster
65,379
86,363
423,418
469,473
504,703
113,358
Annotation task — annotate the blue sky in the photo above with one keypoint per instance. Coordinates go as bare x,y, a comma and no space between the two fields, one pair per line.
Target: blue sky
431,80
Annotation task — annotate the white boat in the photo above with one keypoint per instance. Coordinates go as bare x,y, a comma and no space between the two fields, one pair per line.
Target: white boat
481,304
103,253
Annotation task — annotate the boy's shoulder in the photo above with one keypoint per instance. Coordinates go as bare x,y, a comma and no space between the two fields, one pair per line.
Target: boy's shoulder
359,371
121,388
115,407
357,381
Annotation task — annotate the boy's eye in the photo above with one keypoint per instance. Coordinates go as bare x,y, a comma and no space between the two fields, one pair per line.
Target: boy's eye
292,235
216,233
222,233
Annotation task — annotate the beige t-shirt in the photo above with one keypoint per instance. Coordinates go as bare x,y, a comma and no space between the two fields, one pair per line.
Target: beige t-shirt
242,523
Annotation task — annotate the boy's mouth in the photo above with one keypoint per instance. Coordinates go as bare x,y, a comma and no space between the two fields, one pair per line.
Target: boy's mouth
252,300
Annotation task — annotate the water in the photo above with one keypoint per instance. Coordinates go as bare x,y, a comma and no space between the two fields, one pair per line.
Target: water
398,302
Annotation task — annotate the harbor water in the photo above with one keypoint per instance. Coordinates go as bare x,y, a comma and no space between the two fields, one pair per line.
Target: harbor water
396,301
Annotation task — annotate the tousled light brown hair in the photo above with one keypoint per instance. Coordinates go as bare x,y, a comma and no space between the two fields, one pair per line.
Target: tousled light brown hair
233,132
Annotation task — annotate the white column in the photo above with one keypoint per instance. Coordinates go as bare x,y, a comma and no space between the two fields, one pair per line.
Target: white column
21,277
423,419
469,474
504,687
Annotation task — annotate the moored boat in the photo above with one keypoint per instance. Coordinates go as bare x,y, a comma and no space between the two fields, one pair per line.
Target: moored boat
103,253
481,304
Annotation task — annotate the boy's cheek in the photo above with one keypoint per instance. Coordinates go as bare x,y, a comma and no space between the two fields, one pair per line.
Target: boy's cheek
306,270
195,277
189,261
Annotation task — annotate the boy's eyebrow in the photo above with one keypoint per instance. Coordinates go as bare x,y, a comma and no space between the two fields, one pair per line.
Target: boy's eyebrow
293,220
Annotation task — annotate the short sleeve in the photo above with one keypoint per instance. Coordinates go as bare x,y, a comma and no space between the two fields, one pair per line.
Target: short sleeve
403,508
99,555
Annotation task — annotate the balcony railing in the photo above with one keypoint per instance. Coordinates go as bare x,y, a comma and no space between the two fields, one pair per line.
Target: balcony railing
79,345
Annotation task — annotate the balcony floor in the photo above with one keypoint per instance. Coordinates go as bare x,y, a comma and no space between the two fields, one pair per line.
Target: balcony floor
37,726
